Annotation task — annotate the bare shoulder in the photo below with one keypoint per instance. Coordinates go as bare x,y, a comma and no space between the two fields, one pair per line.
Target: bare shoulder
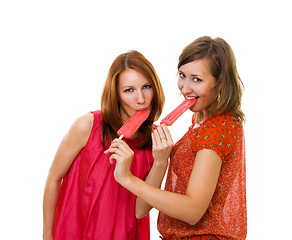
84,123
81,128
70,146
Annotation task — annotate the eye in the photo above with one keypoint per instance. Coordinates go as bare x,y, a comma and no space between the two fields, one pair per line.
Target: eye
197,79
129,90
182,75
147,86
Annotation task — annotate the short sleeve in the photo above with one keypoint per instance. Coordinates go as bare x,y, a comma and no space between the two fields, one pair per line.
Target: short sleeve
218,134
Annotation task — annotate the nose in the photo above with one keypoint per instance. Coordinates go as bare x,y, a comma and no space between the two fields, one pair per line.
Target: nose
140,97
185,87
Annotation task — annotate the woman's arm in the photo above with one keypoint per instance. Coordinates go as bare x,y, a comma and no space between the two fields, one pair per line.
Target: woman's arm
190,207
161,148
162,145
72,143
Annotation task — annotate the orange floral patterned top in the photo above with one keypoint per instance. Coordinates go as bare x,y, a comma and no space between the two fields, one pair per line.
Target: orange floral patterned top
226,216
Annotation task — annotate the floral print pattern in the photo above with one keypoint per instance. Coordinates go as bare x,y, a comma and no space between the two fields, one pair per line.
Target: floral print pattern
226,216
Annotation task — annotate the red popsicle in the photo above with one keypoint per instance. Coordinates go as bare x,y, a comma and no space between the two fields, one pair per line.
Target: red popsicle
176,113
133,123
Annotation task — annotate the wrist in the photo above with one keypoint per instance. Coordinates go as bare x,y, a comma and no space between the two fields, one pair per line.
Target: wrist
125,180
128,181
160,163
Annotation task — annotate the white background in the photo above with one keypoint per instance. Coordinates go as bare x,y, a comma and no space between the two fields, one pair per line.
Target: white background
54,58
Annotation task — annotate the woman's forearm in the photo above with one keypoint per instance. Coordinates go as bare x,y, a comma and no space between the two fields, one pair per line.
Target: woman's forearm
172,204
161,149
189,207
154,178
51,195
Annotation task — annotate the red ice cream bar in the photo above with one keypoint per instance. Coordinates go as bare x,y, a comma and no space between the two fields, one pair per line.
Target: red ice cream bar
177,112
133,123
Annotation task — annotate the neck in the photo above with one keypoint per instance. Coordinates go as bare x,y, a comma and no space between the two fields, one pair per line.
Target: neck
202,116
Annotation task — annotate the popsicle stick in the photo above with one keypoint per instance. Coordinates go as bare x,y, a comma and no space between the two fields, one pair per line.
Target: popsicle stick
121,137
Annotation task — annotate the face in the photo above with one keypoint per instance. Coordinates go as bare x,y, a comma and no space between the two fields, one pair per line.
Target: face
196,81
135,93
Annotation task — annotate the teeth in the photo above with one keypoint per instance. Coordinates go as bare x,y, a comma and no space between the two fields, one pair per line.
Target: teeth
189,98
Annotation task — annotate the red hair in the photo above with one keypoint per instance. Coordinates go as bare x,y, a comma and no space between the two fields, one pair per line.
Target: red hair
110,105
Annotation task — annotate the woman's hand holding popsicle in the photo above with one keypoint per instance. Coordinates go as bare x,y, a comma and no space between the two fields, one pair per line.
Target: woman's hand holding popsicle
162,145
123,155
161,148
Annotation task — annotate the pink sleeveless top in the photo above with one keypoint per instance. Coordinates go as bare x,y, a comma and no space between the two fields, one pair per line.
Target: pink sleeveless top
92,205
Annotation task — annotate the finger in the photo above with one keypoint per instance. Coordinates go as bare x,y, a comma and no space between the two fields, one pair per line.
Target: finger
113,157
118,144
156,136
116,156
111,160
167,133
154,139
114,144
116,151
161,133
111,148
121,144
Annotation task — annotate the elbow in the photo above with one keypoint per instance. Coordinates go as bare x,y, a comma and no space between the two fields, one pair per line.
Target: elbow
193,219
140,214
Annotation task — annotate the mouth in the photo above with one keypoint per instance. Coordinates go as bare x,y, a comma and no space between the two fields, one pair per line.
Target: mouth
144,108
191,97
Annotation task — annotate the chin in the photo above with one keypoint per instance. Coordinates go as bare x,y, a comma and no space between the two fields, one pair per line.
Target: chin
193,109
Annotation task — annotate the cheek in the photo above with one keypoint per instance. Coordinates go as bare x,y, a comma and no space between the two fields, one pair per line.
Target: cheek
125,100
211,96
213,93
149,95
206,91
179,84
121,98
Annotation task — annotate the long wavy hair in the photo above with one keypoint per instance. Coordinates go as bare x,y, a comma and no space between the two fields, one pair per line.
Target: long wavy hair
110,102
222,65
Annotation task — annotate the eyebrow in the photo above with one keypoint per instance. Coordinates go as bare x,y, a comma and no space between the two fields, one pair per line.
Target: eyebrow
196,75
132,86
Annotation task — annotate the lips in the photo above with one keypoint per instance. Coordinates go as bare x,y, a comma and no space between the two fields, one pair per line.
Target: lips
143,108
